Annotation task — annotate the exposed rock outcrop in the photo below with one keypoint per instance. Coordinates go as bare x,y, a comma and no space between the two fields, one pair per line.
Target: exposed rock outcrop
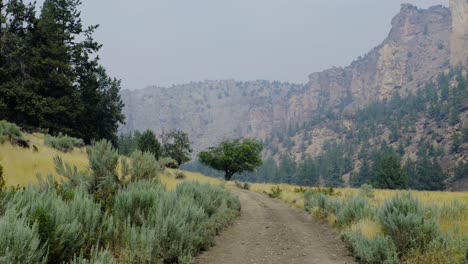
416,49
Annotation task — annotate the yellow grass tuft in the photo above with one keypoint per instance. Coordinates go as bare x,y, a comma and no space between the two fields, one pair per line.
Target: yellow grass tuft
367,227
20,165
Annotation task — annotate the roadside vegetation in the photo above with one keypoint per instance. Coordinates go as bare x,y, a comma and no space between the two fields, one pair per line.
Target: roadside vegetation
387,226
97,215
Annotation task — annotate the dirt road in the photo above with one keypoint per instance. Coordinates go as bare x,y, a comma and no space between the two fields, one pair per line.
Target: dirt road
269,231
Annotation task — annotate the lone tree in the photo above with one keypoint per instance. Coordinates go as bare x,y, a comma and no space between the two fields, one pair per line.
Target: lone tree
233,156
176,144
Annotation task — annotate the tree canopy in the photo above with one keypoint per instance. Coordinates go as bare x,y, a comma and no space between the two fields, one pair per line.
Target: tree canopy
50,75
176,144
233,156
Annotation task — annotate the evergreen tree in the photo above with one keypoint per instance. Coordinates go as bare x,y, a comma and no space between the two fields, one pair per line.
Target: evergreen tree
389,173
149,143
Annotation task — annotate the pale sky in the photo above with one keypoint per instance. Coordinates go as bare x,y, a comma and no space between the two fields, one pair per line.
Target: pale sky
164,42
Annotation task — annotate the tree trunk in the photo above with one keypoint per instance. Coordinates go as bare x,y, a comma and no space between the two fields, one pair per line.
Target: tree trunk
228,175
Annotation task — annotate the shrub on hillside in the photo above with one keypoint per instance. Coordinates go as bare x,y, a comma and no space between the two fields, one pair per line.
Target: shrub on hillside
377,250
275,192
63,142
242,185
97,257
2,181
403,220
366,190
353,210
65,228
167,162
19,240
143,166
179,175
11,132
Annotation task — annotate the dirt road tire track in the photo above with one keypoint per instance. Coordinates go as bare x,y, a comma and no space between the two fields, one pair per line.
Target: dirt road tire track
270,232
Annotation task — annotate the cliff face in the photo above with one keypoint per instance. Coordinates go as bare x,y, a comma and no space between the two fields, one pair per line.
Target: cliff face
416,49
459,39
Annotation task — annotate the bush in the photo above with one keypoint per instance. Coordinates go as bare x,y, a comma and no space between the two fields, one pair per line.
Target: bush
8,131
179,174
66,228
242,185
97,257
169,227
19,241
167,162
353,210
403,220
366,190
2,181
377,250
63,142
275,192
144,166
134,202
11,132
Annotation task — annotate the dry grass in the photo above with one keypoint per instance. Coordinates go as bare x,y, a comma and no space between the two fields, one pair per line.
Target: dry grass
450,208
169,179
20,165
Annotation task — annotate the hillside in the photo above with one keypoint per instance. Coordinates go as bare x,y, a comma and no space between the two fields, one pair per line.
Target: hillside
300,119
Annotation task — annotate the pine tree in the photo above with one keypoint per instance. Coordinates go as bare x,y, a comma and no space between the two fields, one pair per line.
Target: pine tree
389,173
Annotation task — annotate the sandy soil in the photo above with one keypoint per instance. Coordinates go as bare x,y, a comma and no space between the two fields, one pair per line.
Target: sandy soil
269,231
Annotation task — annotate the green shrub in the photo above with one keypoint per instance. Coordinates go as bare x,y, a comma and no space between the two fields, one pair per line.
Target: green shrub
104,181
19,241
167,162
97,257
65,227
353,210
179,174
275,192
134,202
143,166
403,220
138,244
2,181
300,190
377,250
63,142
242,185
366,190
9,131
169,227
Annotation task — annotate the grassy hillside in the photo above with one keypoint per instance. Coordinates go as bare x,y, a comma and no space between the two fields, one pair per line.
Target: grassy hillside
356,213
20,165
103,212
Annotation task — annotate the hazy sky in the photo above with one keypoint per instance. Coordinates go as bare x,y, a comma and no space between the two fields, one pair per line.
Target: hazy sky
164,42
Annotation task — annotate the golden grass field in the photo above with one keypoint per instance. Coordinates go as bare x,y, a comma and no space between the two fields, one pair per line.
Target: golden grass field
20,165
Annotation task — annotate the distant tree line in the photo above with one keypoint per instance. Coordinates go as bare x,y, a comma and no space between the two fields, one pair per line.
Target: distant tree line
380,164
50,74
175,145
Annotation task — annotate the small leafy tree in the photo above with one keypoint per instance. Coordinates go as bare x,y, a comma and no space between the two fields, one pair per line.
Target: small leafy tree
148,142
176,144
233,156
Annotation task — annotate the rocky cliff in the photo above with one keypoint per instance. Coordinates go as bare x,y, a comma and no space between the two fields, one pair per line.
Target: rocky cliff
416,49
459,39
